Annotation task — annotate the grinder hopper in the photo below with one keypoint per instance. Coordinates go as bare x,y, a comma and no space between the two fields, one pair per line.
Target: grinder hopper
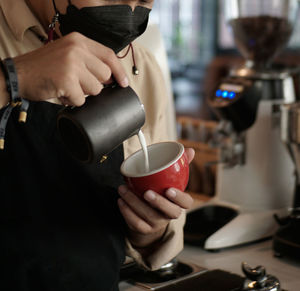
261,28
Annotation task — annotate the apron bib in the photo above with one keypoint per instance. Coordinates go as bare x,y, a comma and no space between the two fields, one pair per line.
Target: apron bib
60,227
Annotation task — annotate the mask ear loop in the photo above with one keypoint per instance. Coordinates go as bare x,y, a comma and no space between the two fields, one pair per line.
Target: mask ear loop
135,70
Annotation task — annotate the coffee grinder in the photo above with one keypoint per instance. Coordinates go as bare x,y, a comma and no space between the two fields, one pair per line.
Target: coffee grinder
286,241
255,174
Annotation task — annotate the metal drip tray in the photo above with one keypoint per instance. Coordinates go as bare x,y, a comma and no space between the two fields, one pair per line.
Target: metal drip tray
156,280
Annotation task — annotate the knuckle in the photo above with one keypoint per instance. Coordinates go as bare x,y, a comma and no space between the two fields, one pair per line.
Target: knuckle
96,89
176,213
60,92
73,50
111,58
187,201
78,101
110,53
152,217
69,79
66,88
70,58
142,228
138,226
106,73
74,37
146,230
126,195
191,202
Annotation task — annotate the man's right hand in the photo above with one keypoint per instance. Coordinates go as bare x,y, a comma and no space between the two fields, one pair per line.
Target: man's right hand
69,68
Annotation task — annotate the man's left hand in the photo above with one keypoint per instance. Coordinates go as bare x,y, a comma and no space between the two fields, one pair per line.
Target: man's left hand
148,218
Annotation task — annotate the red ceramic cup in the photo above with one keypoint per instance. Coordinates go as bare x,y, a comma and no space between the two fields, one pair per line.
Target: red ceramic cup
169,167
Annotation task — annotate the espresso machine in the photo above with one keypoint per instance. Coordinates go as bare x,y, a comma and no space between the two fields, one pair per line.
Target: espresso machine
255,175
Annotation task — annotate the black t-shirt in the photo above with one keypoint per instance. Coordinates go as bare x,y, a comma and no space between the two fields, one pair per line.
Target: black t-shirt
60,227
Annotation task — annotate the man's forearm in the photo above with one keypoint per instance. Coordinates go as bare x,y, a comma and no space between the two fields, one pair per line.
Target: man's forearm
4,97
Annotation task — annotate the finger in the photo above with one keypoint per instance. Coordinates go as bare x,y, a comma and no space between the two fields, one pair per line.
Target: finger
99,69
167,207
75,94
182,199
90,85
109,81
140,208
190,154
133,221
108,56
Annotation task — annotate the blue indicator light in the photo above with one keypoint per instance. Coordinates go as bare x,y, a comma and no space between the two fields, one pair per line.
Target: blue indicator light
219,93
232,95
225,94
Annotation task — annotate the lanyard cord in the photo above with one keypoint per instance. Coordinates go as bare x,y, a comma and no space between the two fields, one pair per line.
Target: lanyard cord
3,123
11,78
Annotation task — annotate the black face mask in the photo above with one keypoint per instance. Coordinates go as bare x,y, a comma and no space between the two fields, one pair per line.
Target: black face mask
114,26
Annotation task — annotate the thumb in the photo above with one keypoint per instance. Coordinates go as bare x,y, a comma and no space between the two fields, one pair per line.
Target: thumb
190,154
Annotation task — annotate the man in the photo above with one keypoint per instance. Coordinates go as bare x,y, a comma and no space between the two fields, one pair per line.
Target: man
61,228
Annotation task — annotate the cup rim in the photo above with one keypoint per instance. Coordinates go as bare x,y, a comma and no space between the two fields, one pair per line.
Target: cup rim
173,161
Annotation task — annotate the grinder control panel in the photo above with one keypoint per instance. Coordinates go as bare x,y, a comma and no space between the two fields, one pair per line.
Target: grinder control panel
236,100
228,92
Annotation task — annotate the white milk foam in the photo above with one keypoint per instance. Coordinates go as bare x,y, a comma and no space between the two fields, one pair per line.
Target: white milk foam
144,147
